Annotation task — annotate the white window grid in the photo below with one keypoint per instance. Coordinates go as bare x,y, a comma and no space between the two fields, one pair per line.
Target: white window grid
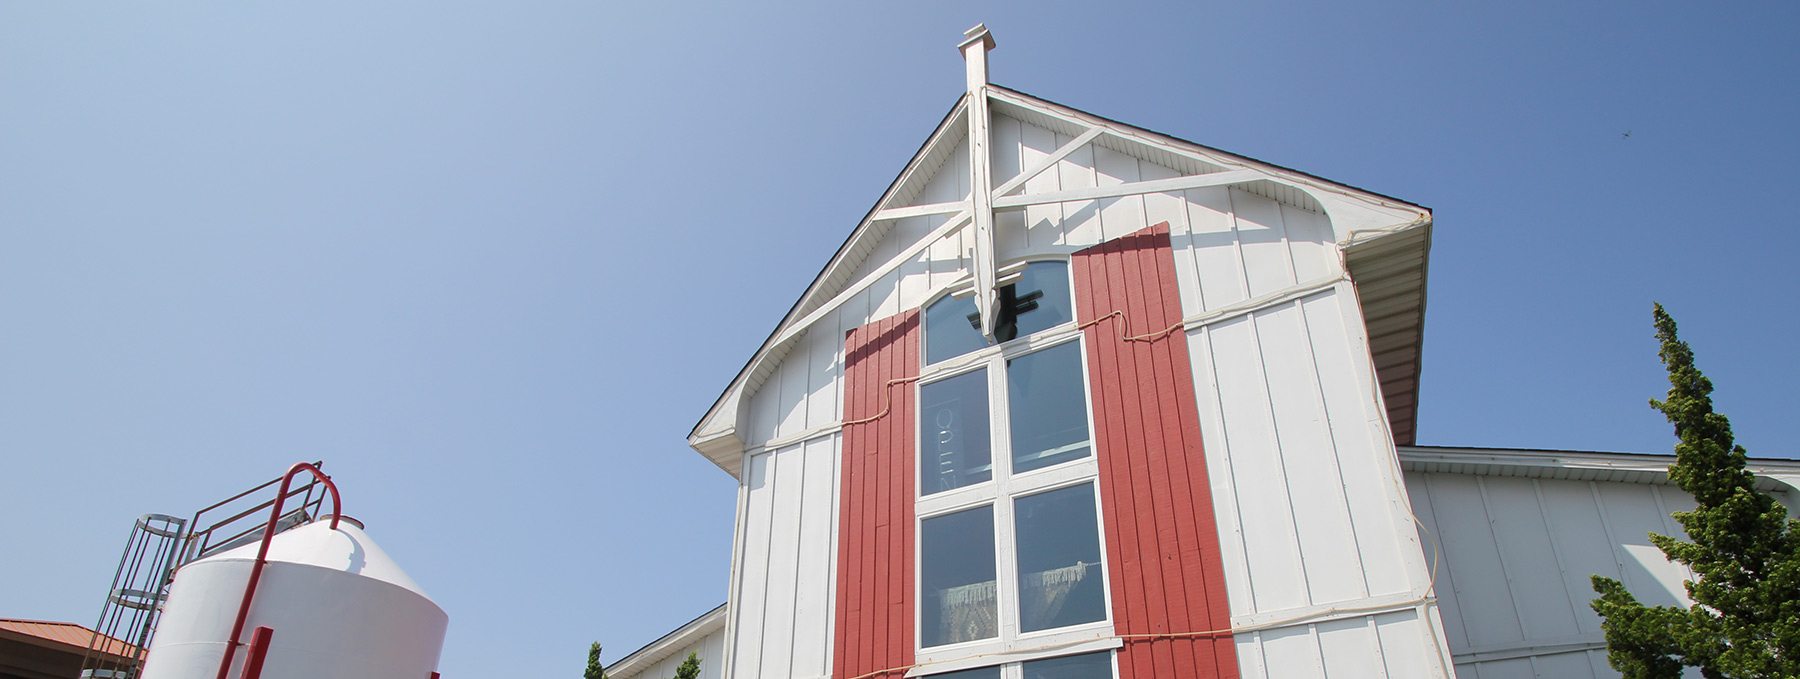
1011,645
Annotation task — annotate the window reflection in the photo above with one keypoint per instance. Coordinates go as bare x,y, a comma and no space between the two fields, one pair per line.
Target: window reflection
1060,582
958,578
1089,666
1038,299
1048,407
954,447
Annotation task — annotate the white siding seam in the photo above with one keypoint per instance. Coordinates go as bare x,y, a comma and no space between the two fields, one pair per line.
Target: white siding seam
799,524
1506,574
1299,551
1237,242
1228,497
1287,245
1337,471
831,593
1612,541
1562,569
1374,629
1318,650
1462,617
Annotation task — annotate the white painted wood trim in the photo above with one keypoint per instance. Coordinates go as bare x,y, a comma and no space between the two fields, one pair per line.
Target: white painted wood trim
734,588
926,210
1049,651
1048,162
798,327
1577,644
1200,320
1131,189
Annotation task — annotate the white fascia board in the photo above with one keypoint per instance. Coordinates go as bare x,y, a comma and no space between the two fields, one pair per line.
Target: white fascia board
1776,474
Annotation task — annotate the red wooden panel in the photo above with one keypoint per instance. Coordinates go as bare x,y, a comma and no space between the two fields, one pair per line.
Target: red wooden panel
1166,577
875,517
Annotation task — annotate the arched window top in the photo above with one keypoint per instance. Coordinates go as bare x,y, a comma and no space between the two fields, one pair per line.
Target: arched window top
1035,299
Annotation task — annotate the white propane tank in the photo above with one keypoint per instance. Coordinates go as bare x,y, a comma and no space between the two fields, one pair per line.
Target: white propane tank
339,608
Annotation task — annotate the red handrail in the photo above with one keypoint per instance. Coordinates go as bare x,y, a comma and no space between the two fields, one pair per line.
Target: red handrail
262,554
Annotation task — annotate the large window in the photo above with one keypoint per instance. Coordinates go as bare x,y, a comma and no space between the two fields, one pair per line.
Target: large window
1009,536
1085,666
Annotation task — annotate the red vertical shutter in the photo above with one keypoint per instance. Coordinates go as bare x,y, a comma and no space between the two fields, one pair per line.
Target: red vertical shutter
875,511
1162,542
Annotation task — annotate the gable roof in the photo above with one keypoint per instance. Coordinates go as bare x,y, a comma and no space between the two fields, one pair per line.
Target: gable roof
1389,261
67,637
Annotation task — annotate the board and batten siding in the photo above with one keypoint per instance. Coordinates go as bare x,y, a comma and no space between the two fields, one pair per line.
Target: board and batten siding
1306,488
1515,561
1306,483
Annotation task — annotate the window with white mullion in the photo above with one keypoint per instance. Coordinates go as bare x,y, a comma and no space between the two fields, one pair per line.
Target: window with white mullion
1011,565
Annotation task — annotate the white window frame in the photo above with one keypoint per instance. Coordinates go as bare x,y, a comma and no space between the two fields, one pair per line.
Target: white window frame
1010,646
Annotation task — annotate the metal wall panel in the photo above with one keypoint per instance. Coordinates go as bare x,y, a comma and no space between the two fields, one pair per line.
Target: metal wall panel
1516,555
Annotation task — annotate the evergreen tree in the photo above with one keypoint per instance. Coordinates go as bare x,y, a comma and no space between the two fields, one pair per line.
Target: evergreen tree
1745,554
689,669
594,669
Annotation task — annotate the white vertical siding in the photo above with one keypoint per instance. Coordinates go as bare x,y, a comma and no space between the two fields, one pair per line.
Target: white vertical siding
781,621
1303,474
1516,555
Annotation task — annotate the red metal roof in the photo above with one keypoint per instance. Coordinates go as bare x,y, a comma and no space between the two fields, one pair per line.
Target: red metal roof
61,634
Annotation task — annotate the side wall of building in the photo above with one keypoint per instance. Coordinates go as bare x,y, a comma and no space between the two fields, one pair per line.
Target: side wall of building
710,649
1305,480
1516,555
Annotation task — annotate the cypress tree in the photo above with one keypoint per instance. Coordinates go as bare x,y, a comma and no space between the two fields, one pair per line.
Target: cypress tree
594,669
689,669
1743,548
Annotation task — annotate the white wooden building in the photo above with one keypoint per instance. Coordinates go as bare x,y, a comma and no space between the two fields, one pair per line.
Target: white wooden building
1077,399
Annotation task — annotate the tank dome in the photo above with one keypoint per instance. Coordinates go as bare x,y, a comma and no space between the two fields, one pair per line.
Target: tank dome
338,606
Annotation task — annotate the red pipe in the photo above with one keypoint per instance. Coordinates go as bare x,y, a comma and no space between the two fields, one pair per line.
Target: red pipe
262,557
259,650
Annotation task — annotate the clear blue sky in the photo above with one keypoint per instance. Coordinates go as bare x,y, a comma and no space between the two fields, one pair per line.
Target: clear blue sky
492,261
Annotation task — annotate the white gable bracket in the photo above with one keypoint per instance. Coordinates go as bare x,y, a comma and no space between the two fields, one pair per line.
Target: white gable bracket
1130,189
956,223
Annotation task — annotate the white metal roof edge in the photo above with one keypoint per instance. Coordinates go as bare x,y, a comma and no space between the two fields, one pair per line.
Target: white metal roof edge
666,645
1773,473
720,443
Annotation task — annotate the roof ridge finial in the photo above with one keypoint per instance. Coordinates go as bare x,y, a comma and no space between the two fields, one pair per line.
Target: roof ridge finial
976,43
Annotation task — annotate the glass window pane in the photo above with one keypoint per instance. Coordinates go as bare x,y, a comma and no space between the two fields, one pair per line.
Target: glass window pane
1060,582
977,673
1088,666
1048,404
956,564
948,331
954,447
1038,300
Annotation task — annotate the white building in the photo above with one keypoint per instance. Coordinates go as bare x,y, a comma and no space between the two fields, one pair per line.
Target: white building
1077,399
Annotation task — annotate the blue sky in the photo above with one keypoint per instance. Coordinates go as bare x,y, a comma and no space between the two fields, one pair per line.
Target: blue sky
491,261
